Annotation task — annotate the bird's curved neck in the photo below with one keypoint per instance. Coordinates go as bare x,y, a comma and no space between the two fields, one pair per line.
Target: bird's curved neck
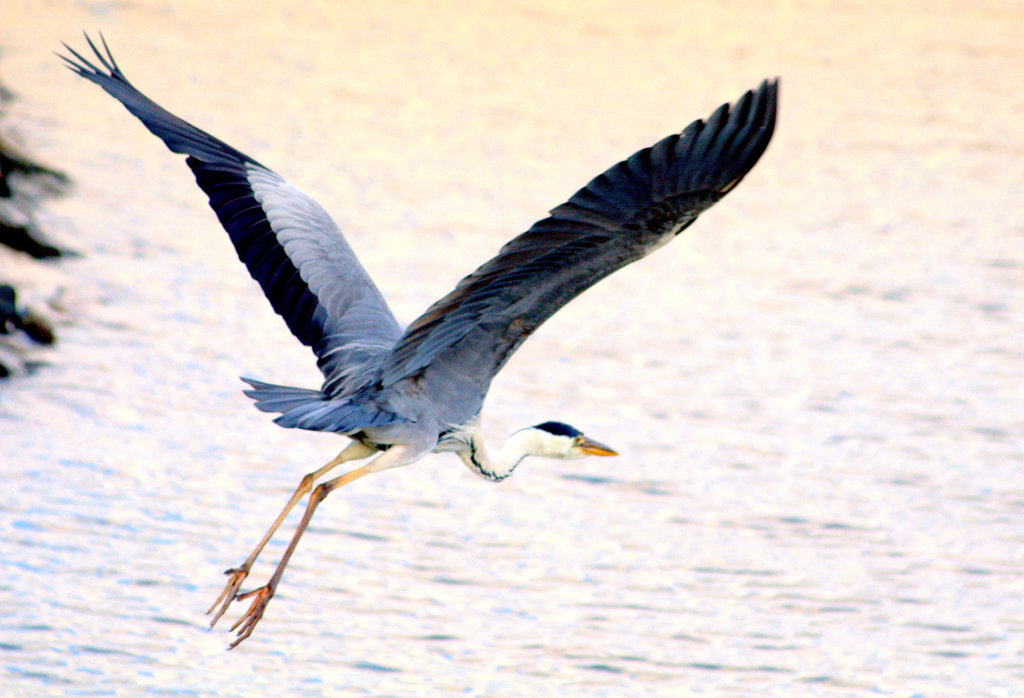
495,464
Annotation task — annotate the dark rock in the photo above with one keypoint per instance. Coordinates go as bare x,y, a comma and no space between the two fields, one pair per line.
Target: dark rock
23,182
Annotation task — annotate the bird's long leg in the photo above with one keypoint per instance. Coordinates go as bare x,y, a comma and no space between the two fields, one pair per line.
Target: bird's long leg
236,575
393,457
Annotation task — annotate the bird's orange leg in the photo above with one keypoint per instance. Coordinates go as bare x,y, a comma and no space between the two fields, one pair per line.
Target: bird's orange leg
236,575
395,456
262,595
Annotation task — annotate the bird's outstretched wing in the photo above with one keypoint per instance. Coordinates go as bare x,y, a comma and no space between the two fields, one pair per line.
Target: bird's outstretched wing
620,216
287,241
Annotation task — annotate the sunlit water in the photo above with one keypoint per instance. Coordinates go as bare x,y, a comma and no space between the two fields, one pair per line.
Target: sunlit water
817,391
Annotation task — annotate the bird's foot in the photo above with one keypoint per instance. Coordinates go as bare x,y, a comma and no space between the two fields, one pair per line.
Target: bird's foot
246,624
236,576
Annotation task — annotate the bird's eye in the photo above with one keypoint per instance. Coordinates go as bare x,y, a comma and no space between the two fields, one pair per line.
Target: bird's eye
578,441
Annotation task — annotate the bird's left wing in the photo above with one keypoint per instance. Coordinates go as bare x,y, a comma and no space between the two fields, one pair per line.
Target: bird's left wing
287,241
620,216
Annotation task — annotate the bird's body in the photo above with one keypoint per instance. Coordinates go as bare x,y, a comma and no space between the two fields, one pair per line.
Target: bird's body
400,394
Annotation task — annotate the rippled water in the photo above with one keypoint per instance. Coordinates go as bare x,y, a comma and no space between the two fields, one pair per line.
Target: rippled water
816,391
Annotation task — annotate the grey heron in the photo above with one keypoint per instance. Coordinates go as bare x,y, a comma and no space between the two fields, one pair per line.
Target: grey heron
401,393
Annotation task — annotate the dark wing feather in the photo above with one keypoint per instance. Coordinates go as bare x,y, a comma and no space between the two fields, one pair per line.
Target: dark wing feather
289,244
620,216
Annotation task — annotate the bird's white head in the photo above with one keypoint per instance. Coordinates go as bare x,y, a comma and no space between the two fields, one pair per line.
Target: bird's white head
558,440
547,440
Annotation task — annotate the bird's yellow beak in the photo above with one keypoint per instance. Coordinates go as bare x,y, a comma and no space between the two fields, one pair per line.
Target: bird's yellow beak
595,448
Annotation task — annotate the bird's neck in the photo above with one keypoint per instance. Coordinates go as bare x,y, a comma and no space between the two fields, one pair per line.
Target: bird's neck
497,464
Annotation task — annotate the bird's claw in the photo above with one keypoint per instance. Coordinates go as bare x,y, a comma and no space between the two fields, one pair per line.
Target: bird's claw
247,623
236,576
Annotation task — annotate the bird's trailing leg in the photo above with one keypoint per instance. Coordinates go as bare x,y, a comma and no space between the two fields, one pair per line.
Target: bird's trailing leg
393,457
236,575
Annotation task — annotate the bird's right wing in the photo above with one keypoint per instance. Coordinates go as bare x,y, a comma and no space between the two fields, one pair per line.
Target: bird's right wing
287,241
620,216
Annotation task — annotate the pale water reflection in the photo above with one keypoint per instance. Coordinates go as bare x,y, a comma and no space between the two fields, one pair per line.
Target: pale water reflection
817,391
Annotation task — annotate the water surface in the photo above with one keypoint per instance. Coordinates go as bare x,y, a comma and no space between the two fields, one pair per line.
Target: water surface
816,390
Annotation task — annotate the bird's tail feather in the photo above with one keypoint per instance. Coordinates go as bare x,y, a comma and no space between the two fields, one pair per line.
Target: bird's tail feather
279,398
302,408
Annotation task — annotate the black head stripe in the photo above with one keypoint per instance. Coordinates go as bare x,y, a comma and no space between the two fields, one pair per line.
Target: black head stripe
559,429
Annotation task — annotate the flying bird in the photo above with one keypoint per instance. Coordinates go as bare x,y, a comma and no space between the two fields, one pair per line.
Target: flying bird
401,393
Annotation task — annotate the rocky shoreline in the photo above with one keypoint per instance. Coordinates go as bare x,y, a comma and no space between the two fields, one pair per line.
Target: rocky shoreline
24,183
